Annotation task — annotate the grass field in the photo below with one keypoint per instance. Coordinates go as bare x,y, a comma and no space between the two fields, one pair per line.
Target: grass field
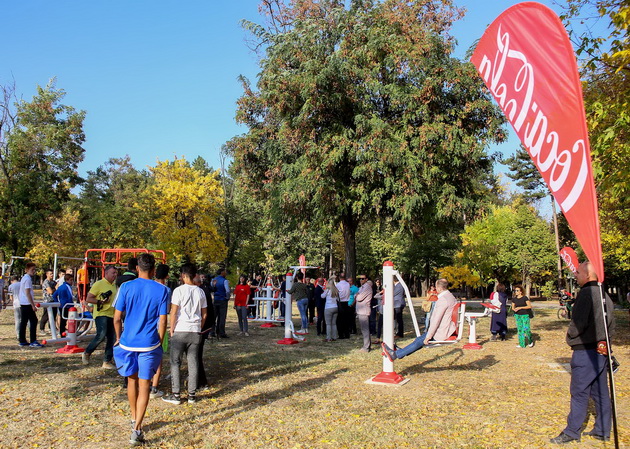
311,395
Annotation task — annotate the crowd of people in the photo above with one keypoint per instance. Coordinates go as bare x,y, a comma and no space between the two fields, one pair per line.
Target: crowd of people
139,317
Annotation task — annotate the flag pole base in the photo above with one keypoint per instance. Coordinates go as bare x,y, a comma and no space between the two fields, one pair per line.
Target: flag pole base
288,341
69,349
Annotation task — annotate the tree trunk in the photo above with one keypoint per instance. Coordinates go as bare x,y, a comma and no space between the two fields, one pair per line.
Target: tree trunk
349,227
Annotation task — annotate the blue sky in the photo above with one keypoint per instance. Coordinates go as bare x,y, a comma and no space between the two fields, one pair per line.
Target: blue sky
157,79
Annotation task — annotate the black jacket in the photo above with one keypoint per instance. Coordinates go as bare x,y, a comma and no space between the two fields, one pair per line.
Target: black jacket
587,324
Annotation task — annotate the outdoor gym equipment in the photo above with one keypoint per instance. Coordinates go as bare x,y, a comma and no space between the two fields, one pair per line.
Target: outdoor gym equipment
71,346
472,318
264,300
79,317
290,336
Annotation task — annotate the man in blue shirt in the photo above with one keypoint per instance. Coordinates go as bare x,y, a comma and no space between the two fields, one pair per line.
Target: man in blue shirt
138,348
222,294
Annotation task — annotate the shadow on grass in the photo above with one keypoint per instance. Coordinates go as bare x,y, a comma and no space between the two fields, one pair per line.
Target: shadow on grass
475,365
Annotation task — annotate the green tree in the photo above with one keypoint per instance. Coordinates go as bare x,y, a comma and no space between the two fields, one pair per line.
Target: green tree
510,243
40,149
600,29
361,112
109,206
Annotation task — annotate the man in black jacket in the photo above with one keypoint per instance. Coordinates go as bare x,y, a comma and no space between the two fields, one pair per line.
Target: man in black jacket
589,362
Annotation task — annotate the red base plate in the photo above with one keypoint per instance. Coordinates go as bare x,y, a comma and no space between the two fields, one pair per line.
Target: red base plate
388,378
266,325
69,349
288,341
473,346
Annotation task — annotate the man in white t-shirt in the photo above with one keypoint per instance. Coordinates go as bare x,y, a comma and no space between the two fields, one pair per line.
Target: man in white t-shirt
14,292
28,308
188,311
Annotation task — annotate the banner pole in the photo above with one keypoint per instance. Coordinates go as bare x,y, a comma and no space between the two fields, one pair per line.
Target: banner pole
611,375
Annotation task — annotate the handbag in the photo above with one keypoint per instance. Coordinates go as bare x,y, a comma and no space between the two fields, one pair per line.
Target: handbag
531,313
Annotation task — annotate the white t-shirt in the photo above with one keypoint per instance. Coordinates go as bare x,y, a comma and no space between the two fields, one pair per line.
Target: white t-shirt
25,283
189,299
14,290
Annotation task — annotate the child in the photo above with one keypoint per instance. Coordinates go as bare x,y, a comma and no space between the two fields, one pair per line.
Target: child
188,312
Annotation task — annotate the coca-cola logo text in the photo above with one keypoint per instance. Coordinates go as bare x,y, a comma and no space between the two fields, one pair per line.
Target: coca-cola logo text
517,98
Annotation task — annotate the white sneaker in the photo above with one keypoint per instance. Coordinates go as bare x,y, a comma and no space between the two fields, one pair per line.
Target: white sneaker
246,334
85,358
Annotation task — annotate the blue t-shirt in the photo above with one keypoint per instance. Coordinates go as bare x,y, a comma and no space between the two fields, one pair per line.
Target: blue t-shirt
143,301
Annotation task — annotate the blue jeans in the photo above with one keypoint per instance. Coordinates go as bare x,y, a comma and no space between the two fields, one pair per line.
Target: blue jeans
104,330
588,380
418,343
302,305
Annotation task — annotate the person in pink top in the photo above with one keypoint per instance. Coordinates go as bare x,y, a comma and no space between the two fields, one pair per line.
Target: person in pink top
441,325
241,294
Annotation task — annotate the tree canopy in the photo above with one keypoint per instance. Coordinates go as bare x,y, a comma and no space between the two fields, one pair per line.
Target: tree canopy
360,112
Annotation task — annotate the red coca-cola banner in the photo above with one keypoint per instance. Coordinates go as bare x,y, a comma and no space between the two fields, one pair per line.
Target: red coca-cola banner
527,61
569,258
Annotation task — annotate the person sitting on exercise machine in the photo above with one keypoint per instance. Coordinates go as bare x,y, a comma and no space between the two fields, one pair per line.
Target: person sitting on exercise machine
441,325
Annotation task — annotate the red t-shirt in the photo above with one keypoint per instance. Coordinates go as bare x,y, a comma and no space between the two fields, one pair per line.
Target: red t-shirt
241,293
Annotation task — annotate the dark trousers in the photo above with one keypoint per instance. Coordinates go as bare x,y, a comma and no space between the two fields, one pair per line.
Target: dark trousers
220,312
44,320
28,318
311,311
343,320
321,322
379,328
398,316
588,380
373,320
352,320
185,343
104,331
202,380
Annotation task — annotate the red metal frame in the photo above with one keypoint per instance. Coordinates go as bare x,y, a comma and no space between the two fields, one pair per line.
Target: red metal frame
102,257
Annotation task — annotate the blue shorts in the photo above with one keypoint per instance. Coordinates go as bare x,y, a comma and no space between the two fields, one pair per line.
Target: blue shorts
145,364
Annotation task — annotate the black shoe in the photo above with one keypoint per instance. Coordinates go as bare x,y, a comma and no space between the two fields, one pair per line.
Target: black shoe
172,399
563,438
597,436
192,398
223,336
387,352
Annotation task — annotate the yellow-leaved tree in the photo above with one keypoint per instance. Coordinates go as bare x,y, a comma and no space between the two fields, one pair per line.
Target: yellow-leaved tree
186,203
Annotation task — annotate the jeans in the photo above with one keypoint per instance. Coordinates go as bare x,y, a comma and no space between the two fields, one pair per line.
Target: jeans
418,343
28,318
588,380
185,342
241,313
220,312
283,306
104,330
302,305
331,323
373,319
427,317
364,322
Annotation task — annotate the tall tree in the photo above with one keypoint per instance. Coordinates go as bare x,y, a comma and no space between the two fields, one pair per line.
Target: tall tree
361,111
600,29
40,150
187,203
111,215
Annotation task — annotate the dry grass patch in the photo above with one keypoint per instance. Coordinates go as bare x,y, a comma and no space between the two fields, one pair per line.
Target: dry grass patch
311,395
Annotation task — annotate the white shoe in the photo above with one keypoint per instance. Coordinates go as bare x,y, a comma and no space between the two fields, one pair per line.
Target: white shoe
85,358
108,365
246,334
